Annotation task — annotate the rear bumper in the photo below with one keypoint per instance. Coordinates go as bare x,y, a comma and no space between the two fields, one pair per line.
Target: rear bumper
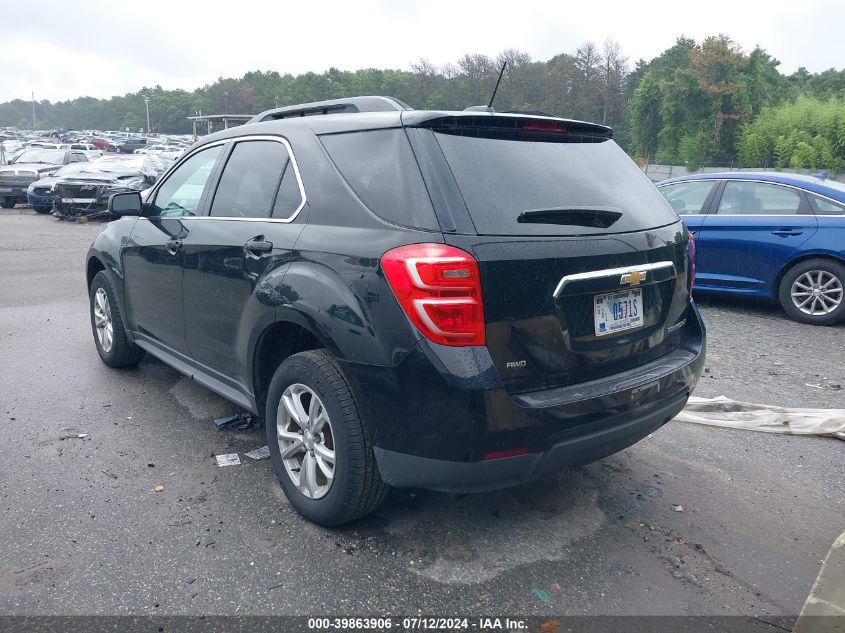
434,416
409,471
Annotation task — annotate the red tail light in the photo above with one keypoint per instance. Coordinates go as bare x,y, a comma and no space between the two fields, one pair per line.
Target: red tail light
691,254
439,289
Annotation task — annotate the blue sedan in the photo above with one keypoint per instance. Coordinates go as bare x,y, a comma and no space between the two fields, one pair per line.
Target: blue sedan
770,235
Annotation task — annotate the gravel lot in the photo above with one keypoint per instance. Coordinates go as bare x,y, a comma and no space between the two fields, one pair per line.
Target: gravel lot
83,532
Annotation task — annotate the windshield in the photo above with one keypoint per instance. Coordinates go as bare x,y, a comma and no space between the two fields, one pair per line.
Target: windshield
46,156
501,179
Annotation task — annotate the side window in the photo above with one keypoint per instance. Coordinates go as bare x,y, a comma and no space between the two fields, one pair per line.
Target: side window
757,198
250,180
181,193
289,197
823,206
380,167
688,198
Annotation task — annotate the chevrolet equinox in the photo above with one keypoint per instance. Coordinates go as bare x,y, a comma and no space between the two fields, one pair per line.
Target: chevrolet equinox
457,301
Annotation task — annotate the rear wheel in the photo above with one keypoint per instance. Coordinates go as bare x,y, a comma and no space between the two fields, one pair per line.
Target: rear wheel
318,443
113,346
812,292
7,203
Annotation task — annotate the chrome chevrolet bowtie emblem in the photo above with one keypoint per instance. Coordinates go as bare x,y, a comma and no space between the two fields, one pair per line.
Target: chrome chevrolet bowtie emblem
634,277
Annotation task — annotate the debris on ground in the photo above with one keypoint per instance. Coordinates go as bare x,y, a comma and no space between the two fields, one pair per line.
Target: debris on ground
259,453
229,459
722,411
237,422
158,488
677,508
73,436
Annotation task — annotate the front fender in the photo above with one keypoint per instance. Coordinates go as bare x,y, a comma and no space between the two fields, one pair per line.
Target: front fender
106,251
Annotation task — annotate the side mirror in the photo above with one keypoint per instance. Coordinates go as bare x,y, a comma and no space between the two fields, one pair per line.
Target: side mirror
128,203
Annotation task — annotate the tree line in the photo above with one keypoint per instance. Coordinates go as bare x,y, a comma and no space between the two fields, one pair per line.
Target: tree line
707,103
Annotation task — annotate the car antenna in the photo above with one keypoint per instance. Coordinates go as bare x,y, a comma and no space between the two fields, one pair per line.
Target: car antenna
489,106
498,81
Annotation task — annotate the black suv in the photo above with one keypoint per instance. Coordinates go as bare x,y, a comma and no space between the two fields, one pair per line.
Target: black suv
458,301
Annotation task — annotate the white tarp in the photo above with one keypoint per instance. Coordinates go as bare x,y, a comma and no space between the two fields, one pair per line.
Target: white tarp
722,411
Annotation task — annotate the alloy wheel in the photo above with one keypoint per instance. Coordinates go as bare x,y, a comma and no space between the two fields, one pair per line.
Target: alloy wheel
306,441
103,320
817,292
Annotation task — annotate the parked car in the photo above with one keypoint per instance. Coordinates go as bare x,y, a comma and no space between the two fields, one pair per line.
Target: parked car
776,236
87,192
100,143
32,165
90,150
41,194
459,301
126,146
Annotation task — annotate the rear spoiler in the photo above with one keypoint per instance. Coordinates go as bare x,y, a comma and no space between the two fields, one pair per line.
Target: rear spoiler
508,126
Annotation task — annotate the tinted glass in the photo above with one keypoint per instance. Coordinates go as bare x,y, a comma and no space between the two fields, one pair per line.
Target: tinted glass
181,193
380,168
757,198
250,180
499,179
289,196
823,206
688,198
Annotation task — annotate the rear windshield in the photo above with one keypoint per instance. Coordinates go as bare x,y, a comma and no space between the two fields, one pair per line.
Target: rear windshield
529,187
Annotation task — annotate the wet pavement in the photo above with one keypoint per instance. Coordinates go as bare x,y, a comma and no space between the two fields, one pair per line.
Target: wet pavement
82,530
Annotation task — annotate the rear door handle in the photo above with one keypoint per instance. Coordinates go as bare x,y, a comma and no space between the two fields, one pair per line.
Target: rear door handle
258,245
786,232
173,246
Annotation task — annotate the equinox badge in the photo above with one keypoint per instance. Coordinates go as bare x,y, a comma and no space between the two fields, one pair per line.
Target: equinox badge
634,277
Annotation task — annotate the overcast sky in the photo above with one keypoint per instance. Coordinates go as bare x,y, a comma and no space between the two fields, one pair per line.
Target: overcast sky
101,48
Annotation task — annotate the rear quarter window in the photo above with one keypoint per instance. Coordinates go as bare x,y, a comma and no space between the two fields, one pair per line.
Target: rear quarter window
380,168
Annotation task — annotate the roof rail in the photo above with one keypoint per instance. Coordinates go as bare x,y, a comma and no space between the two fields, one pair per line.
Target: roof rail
333,106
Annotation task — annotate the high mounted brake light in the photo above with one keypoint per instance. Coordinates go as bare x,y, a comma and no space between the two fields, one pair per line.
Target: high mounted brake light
439,289
543,126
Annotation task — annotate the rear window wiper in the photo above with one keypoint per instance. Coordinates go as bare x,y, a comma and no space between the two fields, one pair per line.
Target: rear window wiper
593,217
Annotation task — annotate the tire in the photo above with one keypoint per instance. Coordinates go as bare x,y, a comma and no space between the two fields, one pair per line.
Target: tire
802,280
356,487
43,210
7,203
117,350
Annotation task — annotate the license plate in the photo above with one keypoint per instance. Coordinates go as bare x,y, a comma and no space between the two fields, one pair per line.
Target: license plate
78,200
618,311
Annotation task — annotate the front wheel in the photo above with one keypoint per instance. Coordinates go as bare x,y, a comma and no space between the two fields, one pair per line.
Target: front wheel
812,292
113,346
318,443
43,209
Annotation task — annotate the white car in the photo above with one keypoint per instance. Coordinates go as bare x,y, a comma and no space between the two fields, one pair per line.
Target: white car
89,150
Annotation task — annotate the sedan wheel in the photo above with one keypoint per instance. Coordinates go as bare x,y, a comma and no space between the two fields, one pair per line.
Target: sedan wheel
812,291
306,442
817,292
